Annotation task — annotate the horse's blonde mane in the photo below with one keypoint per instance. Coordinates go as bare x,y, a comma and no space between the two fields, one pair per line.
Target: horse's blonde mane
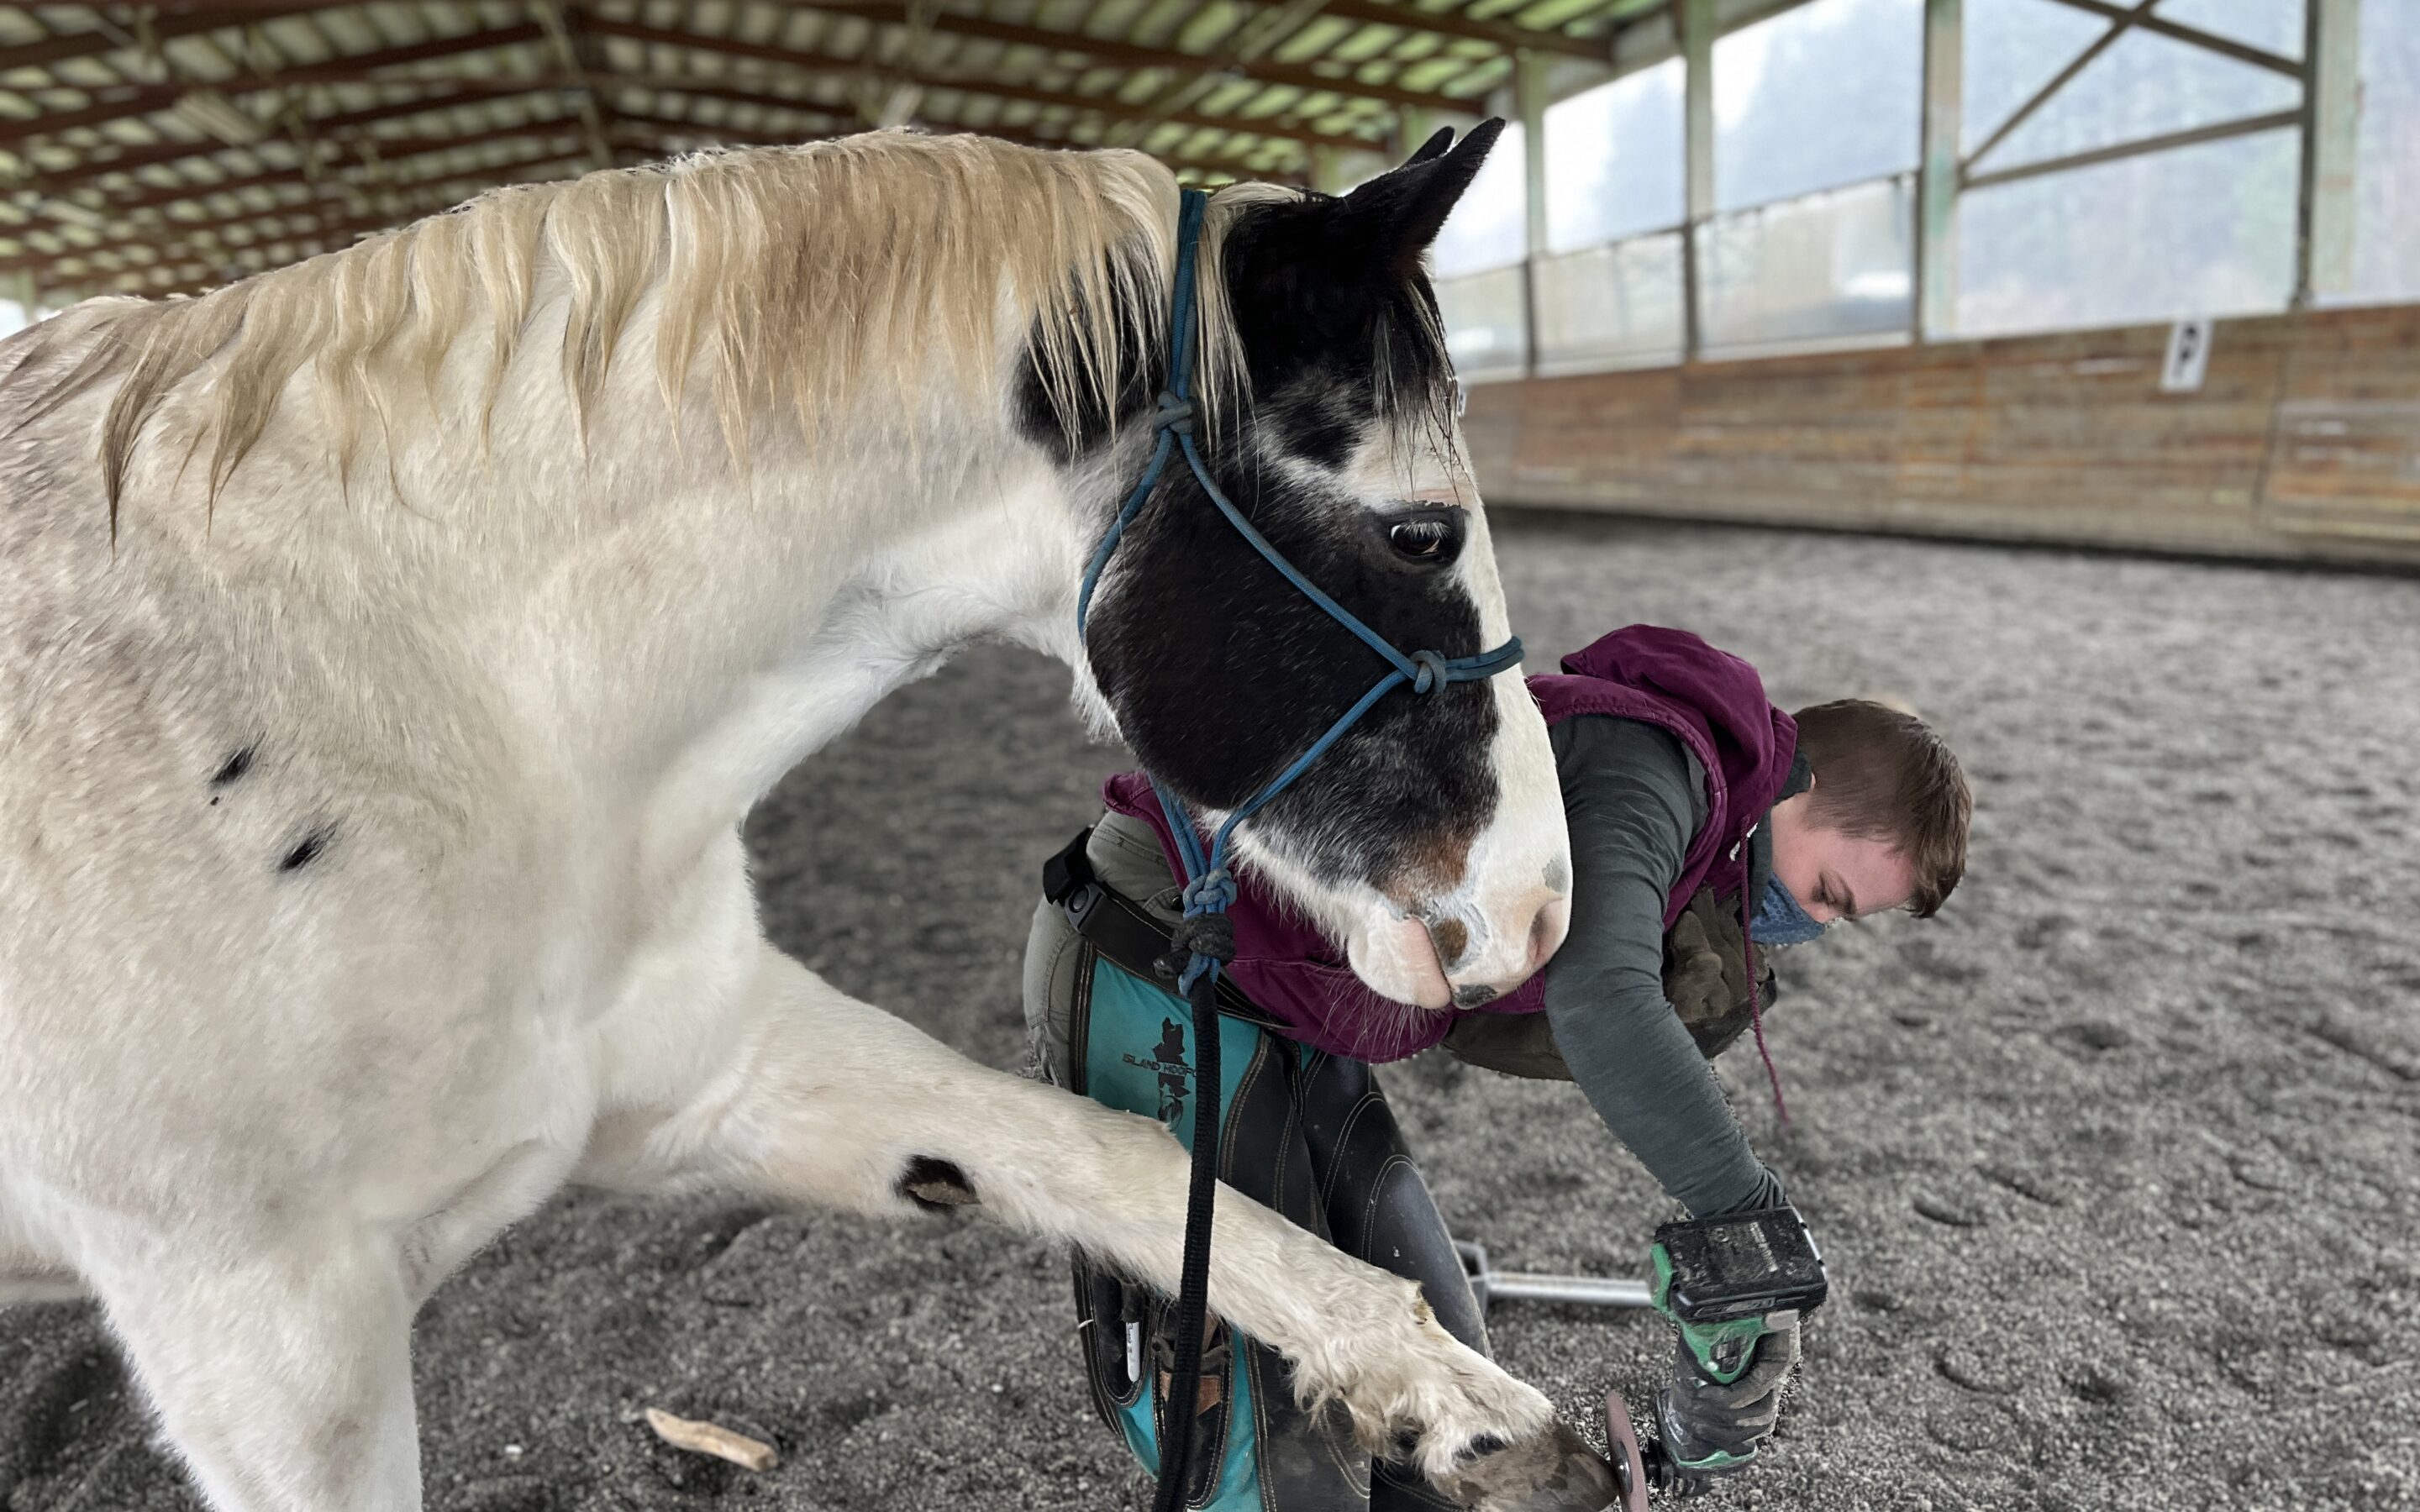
783,278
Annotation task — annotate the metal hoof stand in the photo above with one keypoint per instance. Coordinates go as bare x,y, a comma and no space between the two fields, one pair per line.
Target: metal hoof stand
1491,1285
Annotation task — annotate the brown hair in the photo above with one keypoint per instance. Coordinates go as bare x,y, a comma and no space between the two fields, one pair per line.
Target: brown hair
1882,773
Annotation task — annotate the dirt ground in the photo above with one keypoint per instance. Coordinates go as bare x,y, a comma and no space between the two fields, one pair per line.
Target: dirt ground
2117,1163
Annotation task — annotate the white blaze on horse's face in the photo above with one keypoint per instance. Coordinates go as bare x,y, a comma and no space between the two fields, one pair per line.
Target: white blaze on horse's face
1428,839
1452,929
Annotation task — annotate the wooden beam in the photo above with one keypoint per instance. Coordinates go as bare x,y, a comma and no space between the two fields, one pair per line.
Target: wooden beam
1936,190
426,196
450,92
1260,33
813,61
325,133
1122,54
116,103
343,71
2059,80
1529,104
2275,122
2242,53
2330,203
1106,111
409,148
145,100
433,192
1268,71
1699,24
166,27
1503,36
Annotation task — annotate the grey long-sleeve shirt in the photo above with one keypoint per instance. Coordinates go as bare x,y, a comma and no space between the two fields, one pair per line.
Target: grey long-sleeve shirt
1635,799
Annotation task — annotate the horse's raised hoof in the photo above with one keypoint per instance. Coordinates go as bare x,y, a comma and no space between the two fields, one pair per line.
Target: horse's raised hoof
1555,1472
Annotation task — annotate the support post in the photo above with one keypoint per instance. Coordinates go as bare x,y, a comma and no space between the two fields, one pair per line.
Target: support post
1529,102
1937,180
1698,24
2329,200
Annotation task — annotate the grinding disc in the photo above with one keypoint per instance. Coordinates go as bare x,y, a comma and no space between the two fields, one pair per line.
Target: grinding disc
1629,1465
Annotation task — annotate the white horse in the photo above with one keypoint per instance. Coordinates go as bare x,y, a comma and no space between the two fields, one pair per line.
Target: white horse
391,644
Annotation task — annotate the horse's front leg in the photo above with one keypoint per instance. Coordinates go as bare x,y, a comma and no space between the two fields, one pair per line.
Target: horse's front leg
830,1101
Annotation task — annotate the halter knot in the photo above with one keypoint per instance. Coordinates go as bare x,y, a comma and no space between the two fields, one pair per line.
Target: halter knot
1433,674
1174,414
1210,893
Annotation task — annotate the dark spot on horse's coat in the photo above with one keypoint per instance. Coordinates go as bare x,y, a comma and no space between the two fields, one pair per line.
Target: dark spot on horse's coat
308,849
233,767
1473,996
936,1186
1559,876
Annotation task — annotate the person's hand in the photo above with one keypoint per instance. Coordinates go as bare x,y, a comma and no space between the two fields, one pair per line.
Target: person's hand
1725,1396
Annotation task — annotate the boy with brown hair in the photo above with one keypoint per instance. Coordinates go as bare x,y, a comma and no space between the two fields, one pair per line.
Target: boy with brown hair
1707,827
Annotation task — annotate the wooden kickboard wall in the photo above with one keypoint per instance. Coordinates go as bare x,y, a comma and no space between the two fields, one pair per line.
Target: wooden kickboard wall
2302,442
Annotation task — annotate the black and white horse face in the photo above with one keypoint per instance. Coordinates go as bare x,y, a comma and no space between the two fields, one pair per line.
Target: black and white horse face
1430,838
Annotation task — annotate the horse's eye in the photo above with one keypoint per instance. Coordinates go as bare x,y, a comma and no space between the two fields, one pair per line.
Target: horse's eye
1420,540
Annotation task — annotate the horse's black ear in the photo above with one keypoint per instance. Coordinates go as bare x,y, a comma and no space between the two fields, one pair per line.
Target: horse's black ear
1396,215
1433,148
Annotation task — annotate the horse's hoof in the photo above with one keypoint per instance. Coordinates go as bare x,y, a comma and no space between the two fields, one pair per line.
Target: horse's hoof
1555,1472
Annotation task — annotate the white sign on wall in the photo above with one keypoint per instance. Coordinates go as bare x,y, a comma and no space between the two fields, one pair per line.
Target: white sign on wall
2188,356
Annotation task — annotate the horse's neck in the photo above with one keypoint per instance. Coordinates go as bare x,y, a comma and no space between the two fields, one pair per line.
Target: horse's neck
665,633
745,620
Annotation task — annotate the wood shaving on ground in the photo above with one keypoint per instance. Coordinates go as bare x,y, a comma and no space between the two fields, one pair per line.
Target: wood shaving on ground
707,1439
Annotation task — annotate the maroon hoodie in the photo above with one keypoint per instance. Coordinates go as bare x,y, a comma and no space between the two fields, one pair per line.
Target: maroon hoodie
1712,701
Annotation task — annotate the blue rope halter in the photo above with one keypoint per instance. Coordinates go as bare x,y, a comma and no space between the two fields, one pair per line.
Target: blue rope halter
1209,888
1206,938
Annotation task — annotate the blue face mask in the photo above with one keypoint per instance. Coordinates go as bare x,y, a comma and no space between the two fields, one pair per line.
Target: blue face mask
1780,921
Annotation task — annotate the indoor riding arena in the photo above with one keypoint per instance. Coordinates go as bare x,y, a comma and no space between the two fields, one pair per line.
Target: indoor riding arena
2049,368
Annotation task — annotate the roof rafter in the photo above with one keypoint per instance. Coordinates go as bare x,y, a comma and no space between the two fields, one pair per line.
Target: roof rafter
173,24
815,61
1454,24
1127,55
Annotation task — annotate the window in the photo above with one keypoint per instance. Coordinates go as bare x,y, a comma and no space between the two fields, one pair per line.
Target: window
2145,86
1616,164
13,319
1490,224
1611,307
1827,94
1823,268
2197,230
1487,324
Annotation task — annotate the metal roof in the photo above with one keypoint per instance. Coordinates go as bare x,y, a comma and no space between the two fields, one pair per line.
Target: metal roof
165,147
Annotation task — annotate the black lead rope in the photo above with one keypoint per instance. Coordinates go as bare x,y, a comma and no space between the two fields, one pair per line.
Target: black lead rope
1179,1410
